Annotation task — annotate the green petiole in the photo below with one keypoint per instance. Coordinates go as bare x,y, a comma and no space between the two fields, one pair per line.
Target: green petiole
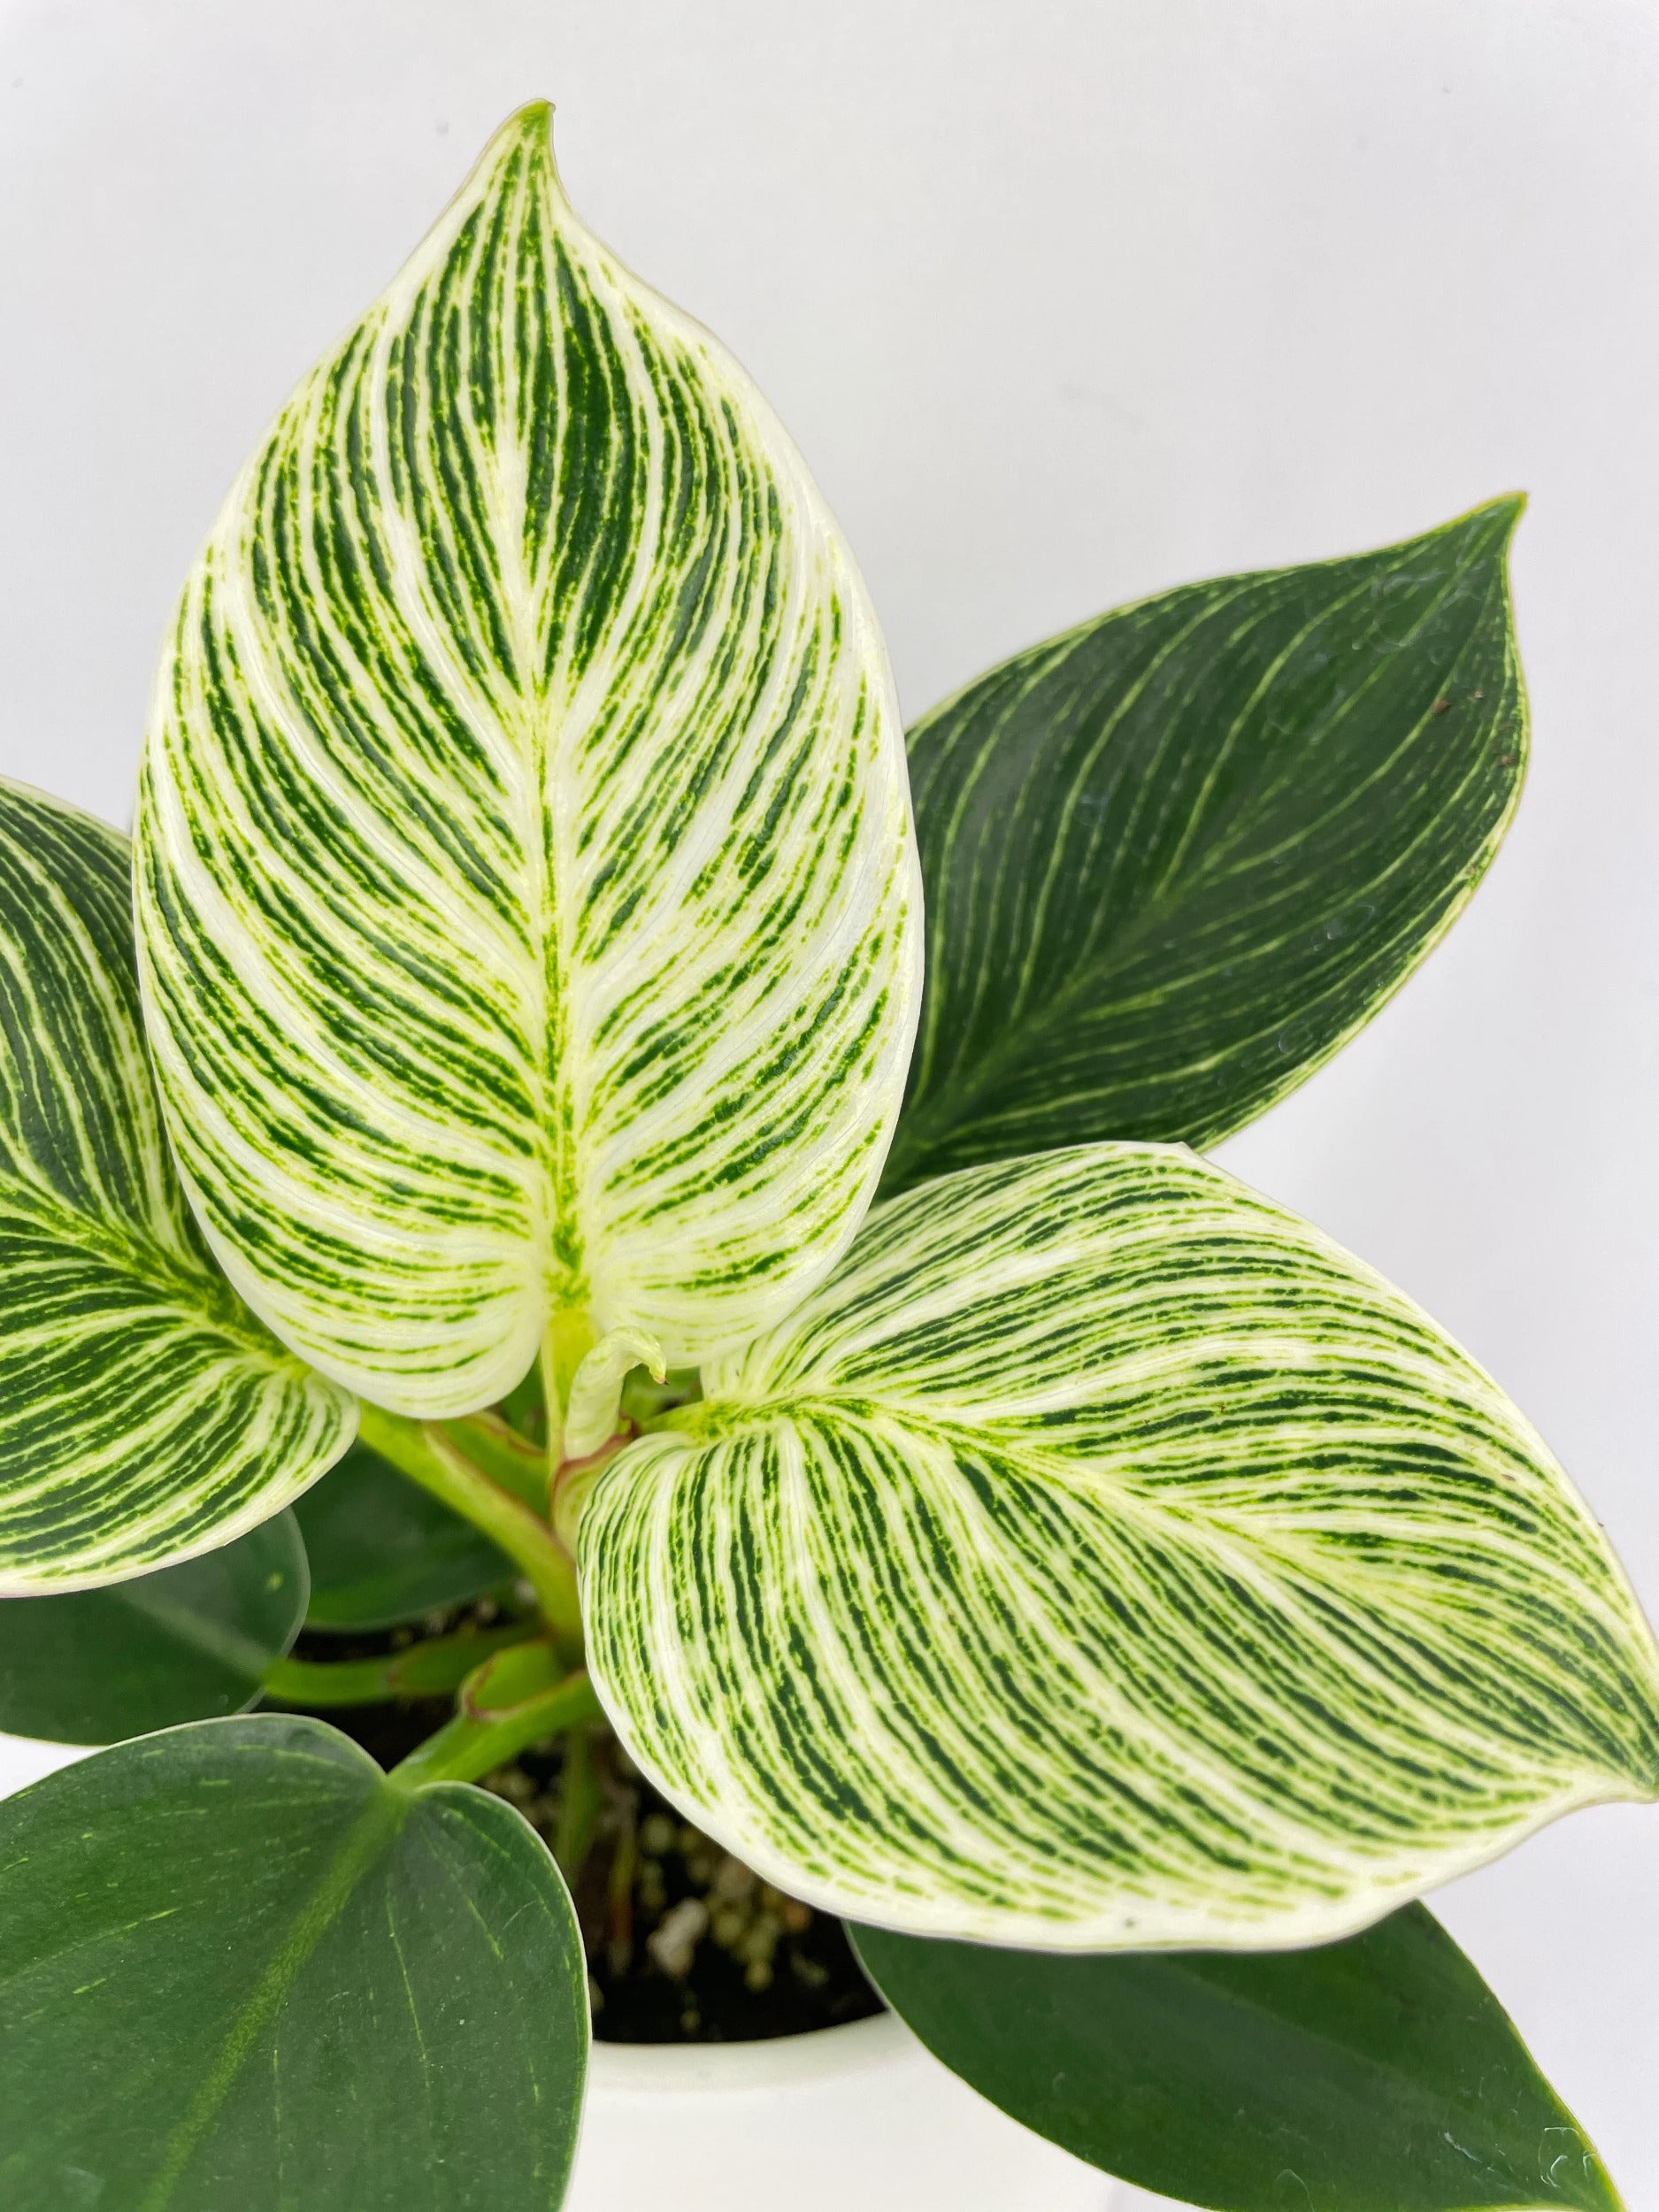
428,1669
497,1450
441,1459
519,1698
580,1802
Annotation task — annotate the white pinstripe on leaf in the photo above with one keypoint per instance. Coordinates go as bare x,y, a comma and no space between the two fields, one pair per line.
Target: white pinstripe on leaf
1104,1557
528,905
146,1415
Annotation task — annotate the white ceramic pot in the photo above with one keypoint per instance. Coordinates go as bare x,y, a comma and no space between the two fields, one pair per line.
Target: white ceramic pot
853,2119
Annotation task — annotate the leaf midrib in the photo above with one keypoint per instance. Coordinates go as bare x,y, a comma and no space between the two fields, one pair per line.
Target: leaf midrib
379,1820
1188,1527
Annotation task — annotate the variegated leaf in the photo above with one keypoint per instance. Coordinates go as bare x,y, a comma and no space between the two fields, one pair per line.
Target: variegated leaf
146,1415
1103,1557
527,896
1177,856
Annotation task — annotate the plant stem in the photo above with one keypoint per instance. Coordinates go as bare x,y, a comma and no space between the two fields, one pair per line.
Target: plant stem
432,1457
580,1801
429,1669
619,1893
571,1483
480,1738
568,1340
498,1451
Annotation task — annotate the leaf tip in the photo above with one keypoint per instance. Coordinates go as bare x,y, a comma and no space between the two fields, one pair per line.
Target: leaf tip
1490,526
528,133
1504,512
533,120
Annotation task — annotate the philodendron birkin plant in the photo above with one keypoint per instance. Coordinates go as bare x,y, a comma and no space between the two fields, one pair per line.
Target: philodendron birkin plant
716,1175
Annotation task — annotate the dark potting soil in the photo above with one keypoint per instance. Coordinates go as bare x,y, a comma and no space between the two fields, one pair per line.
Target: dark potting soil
685,1944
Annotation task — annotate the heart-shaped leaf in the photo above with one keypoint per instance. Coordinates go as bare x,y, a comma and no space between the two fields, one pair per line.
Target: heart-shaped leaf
528,902
382,1550
147,1415
1177,856
1376,2074
1103,1557
191,1643
241,1967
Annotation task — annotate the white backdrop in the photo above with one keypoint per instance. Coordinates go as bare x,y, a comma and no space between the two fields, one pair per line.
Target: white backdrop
1065,304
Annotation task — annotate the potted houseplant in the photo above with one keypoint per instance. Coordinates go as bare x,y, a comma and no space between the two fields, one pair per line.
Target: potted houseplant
657,1224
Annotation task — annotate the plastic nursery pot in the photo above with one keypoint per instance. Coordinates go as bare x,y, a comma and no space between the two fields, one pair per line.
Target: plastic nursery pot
856,2116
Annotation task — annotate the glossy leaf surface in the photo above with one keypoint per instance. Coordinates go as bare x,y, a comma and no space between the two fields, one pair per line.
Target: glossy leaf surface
1104,1557
382,1550
146,1415
191,1643
240,1968
1376,2074
527,894
1175,856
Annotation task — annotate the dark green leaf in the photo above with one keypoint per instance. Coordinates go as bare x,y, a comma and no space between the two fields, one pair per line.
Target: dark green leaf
189,1643
1376,2074
383,1550
240,1967
1174,858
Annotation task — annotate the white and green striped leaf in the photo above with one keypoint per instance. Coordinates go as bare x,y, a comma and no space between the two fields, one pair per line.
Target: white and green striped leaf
528,905
1103,1557
1177,856
147,1415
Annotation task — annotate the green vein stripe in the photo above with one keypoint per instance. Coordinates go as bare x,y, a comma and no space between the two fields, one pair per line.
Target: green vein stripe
529,910
1177,856
147,1415
1104,1557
